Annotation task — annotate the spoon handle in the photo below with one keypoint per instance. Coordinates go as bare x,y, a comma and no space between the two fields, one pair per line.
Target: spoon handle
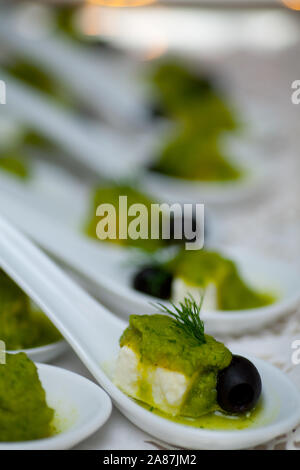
84,323
92,77
89,257
97,147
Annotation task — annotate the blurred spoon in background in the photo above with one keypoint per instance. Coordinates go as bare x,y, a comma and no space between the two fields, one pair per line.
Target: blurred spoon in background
89,75
114,156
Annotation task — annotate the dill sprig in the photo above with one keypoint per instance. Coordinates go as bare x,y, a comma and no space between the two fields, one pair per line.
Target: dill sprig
187,316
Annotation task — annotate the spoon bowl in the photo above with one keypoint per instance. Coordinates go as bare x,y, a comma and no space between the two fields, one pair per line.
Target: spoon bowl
81,407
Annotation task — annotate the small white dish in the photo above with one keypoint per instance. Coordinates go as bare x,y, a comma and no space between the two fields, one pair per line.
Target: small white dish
81,407
94,333
46,353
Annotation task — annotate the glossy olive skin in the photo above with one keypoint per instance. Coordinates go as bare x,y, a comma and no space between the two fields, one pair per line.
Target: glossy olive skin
238,386
154,281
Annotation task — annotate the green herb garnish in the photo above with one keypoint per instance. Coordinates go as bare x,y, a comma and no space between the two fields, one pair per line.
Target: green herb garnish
187,316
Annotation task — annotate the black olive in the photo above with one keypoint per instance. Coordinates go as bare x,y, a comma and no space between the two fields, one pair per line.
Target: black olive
155,281
152,166
238,386
184,239
156,111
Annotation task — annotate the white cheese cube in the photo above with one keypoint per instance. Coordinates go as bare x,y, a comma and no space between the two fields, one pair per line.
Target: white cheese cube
126,373
180,290
166,389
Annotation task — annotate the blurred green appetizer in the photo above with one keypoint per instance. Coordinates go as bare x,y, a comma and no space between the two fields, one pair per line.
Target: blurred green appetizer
200,270
201,114
22,324
43,81
16,143
24,413
169,364
15,164
195,157
109,194
194,99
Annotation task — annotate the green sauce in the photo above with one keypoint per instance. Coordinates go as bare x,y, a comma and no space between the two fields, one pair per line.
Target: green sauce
110,194
22,325
191,98
202,114
216,420
160,342
193,157
32,138
35,77
13,163
200,268
24,413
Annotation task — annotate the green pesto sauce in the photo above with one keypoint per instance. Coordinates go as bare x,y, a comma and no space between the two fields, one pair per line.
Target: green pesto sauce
24,413
191,97
216,420
32,138
14,164
64,22
22,326
194,157
110,194
200,268
159,341
195,104
35,77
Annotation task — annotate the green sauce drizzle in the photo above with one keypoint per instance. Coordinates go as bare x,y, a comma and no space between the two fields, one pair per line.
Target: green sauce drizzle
200,268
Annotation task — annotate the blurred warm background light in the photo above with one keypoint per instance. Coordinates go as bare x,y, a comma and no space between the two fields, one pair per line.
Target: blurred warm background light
154,30
121,3
292,4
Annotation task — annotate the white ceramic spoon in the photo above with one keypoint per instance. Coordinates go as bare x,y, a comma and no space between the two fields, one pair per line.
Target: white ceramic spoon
81,407
93,332
112,156
89,75
109,267
46,353
96,146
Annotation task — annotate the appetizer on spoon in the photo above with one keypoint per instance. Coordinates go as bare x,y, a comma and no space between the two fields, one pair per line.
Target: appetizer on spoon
271,286
37,414
89,76
93,332
169,364
99,149
23,327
